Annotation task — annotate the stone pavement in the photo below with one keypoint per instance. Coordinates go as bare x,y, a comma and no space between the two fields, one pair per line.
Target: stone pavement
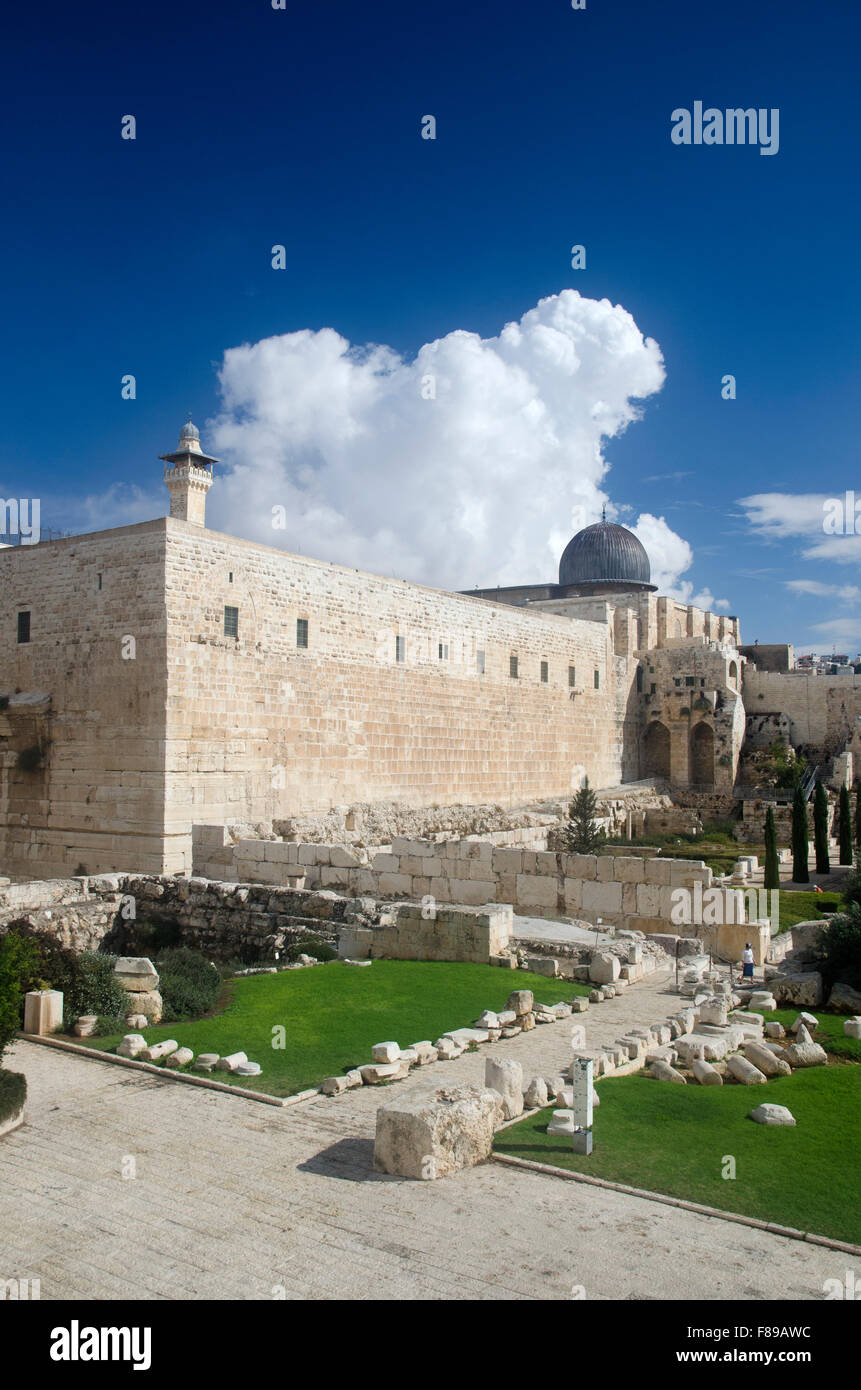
237,1200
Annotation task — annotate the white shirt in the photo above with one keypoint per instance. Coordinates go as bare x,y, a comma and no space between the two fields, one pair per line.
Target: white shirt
747,957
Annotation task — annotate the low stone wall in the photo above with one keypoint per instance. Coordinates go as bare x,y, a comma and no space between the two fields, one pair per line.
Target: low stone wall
253,921
408,932
623,890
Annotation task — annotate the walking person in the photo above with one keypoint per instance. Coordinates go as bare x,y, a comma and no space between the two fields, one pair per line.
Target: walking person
747,962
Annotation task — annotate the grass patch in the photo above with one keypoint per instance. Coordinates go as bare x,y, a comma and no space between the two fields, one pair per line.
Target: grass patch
829,1034
333,1014
803,906
673,1140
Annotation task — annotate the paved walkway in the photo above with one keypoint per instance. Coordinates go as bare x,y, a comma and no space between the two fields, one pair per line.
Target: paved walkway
236,1200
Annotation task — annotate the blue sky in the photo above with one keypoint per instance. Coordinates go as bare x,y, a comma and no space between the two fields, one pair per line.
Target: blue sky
302,127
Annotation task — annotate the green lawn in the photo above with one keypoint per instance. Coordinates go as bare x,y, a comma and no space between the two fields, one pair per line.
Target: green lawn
803,906
333,1014
674,1140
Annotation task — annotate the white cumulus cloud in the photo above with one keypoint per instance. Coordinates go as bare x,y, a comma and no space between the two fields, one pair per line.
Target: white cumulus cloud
472,463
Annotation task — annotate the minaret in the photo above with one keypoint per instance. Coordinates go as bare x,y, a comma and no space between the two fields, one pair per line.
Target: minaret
188,475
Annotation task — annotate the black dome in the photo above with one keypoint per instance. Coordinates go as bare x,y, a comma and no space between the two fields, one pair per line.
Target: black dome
604,553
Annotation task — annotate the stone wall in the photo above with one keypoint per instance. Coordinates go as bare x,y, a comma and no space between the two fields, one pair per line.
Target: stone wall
259,726
624,890
822,710
97,799
411,932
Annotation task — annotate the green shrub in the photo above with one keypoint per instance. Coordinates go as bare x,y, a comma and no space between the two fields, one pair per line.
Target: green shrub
19,961
189,984
841,955
93,989
851,892
13,1093
310,946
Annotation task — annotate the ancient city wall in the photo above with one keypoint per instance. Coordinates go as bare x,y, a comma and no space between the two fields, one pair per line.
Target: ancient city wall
96,799
623,890
259,729
822,710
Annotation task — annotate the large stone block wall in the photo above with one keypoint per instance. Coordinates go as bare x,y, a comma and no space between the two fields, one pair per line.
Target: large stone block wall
412,932
259,729
98,801
822,710
623,890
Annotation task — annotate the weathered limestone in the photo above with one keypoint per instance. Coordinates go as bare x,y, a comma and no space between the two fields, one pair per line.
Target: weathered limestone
852,1028
705,1073
137,974
604,968
385,1052
149,1006
766,1061
132,1045
844,999
43,1011
159,1050
804,989
662,1071
505,1076
714,1011
536,1095
231,1062
433,1132
806,1021
744,1071
806,1055
772,1115
520,1002
180,1058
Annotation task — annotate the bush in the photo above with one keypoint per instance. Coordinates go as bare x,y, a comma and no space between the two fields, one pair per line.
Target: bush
852,887
310,946
13,1093
19,961
189,984
841,954
94,990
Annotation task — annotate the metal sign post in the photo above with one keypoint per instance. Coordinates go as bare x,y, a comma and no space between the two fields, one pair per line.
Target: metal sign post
581,1103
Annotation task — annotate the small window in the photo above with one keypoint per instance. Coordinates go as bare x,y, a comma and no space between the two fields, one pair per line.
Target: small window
400,649
702,680
24,627
653,687
639,680
231,621
572,676
689,680
443,651
301,632
512,667
480,662
677,680
99,580
230,577
545,672
597,679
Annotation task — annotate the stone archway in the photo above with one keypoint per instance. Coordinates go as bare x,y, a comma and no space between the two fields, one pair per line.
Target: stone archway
732,675
702,755
656,750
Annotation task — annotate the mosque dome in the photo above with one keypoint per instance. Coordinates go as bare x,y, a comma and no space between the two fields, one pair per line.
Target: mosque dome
608,555
189,431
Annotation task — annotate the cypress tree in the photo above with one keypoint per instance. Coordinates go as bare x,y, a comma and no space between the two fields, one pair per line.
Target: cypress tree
820,829
800,871
772,864
845,823
582,835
